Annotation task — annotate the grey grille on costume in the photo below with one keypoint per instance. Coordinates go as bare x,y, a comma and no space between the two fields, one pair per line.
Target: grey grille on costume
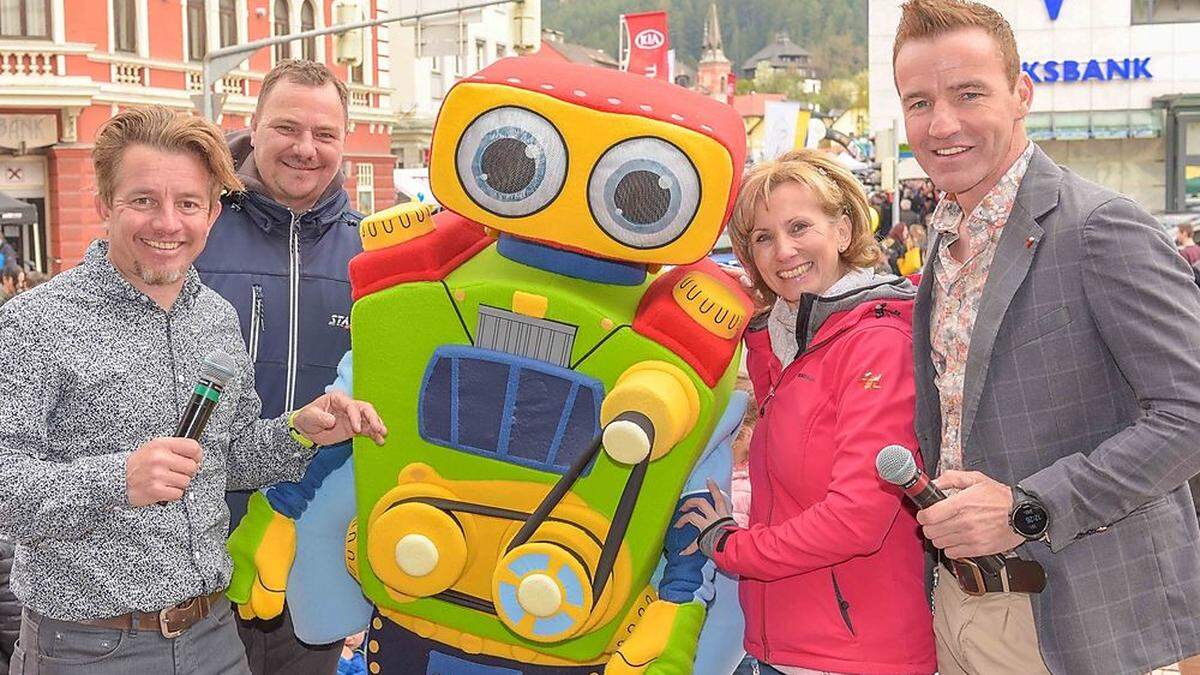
522,335
641,198
895,464
508,167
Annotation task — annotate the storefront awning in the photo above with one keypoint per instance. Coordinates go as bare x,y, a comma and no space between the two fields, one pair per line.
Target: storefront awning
16,212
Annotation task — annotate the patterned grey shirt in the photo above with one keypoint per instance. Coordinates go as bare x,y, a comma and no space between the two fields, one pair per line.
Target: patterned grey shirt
90,369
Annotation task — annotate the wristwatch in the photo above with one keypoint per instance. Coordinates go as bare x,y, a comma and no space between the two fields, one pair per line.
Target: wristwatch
1028,517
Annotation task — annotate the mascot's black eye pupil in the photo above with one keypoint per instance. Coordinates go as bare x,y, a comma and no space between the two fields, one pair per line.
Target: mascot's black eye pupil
507,167
641,199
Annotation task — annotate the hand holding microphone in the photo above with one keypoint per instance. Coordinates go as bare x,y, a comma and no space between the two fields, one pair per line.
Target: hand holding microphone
896,465
162,468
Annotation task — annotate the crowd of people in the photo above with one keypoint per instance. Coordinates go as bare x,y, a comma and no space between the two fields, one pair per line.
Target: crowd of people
1031,340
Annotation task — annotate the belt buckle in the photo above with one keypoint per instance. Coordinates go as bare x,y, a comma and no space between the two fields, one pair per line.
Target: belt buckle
164,625
973,574
167,618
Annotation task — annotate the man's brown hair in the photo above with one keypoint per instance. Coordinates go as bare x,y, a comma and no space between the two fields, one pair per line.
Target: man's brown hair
925,19
308,73
161,128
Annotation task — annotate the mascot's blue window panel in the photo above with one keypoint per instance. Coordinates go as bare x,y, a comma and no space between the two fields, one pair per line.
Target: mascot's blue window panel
512,408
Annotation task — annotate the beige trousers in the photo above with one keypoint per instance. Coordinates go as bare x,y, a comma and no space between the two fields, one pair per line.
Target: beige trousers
984,635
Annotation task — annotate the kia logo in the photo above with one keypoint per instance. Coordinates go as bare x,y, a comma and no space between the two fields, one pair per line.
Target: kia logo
649,39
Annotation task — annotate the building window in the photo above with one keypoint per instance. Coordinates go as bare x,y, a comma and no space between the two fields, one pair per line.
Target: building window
308,21
124,17
480,54
1166,11
282,26
25,18
501,51
366,188
197,31
227,13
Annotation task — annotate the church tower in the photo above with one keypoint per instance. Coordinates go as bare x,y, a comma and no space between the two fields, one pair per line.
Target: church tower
713,71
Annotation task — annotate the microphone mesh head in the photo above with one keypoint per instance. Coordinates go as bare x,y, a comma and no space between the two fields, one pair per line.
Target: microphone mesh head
896,464
218,367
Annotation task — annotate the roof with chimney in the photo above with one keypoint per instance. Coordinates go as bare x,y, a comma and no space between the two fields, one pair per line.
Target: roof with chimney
782,53
554,45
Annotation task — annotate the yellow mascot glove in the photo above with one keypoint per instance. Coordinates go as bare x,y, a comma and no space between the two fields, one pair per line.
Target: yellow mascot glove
663,643
263,547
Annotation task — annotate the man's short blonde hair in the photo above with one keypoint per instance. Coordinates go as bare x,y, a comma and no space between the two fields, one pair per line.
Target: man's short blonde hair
837,190
161,128
307,73
925,19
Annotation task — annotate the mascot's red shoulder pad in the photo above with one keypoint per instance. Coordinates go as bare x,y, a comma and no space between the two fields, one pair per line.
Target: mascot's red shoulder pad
423,253
695,296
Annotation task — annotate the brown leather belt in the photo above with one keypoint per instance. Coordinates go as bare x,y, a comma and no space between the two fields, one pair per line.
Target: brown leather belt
1017,576
171,622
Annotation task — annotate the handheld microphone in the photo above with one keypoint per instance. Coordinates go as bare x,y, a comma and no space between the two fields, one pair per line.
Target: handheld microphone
896,465
216,371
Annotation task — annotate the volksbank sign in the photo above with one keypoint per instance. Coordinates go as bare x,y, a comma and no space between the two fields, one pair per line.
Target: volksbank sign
1092,69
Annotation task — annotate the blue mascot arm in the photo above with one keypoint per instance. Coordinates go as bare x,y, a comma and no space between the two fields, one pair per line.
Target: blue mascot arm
291,499
696,578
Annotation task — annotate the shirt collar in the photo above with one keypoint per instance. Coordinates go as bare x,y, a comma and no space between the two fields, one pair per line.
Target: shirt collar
993,209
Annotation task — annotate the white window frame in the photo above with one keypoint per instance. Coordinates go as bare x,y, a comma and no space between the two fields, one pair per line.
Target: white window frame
364,174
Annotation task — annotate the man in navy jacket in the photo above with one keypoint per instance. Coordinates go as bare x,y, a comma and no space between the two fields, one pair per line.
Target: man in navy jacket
279,253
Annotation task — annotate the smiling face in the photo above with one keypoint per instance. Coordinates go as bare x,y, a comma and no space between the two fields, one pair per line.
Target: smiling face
794,245
162,209
298,135
964,120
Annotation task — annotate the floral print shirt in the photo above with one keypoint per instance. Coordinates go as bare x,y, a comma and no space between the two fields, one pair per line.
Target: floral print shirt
957,291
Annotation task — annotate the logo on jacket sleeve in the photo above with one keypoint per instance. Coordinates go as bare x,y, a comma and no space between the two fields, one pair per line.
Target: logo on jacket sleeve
339,321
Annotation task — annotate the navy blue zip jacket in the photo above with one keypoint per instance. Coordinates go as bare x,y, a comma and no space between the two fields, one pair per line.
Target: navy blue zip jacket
287,276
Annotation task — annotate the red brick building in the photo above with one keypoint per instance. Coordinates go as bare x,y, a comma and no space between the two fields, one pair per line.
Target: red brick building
66,66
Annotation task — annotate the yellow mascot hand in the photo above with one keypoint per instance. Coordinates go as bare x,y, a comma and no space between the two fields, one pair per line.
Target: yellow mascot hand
663,643
263,547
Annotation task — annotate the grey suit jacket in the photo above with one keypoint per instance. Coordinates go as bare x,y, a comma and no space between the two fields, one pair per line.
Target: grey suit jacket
1083,384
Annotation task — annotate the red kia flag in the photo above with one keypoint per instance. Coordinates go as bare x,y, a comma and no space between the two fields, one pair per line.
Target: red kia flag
646,36
731,88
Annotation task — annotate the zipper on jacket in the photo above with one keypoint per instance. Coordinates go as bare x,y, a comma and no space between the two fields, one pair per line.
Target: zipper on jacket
256,320
289,394
843,606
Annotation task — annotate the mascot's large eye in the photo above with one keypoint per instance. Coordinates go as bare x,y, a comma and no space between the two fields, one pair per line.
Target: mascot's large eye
511,161
644,192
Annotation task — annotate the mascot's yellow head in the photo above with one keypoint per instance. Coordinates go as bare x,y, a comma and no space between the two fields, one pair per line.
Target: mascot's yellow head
588,159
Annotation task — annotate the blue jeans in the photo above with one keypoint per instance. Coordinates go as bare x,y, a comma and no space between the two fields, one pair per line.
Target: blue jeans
52,647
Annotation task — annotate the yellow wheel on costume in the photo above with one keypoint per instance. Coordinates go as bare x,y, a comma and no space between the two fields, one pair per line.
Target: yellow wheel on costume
416,549
542,592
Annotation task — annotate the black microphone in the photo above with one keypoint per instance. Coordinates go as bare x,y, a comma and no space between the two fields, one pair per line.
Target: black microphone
896,465
216,371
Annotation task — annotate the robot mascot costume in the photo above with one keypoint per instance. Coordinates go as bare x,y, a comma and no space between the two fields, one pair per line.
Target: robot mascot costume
551,396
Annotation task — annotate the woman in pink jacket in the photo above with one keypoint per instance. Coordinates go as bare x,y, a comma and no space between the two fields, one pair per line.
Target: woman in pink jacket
831,566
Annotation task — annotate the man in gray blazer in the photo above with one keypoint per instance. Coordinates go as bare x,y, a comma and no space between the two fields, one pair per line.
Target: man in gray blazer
1057,338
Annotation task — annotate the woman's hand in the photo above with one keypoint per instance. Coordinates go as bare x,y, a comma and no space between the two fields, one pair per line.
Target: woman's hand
710,518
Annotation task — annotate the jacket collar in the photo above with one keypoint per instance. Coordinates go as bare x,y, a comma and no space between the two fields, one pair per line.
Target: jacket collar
815,310
106,280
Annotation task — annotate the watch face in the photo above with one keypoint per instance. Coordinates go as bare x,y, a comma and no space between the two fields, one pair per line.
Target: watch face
1030,520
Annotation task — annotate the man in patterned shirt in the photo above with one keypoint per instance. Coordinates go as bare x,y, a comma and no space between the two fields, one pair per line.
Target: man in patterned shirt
1057,338
120,528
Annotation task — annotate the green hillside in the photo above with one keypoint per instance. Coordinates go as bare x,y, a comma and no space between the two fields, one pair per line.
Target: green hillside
834,31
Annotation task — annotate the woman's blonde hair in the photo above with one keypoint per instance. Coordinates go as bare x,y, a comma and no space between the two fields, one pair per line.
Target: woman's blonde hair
837,190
